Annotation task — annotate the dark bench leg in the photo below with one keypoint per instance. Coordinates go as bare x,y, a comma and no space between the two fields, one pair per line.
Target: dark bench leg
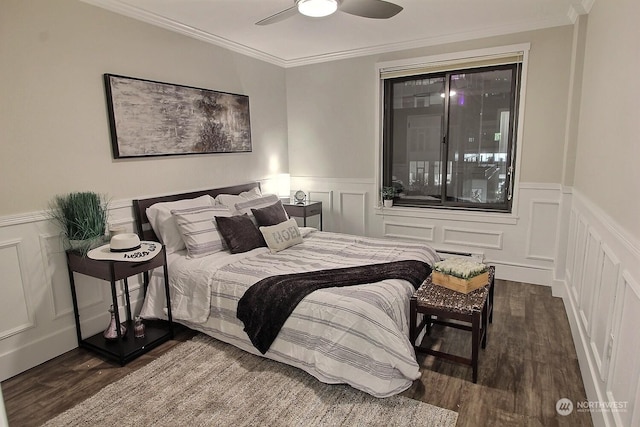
475,343
413,318
485,323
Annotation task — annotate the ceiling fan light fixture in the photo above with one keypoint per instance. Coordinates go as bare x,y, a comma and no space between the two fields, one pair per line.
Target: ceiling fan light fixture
317,8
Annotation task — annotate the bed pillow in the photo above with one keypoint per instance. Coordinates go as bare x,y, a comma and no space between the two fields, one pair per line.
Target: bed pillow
261,202
199,229
239,233
164,225
230,200
282,236
270,215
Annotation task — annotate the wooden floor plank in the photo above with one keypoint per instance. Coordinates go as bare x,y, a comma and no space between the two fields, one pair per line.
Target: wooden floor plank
529,363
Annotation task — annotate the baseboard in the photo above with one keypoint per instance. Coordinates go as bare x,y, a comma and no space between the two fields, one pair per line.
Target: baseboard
37,352
522,273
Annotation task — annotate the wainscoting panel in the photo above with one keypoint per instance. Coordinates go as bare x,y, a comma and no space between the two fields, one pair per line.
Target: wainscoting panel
592,270
579,256
56,275
16,313
412,231
36,311
353,213
625,369
326,197
543,215
571,247
522,245
472,237
602,297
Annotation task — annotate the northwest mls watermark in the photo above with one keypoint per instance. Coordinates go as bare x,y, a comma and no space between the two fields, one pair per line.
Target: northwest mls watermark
565,406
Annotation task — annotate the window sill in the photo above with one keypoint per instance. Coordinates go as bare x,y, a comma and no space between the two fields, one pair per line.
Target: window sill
448,214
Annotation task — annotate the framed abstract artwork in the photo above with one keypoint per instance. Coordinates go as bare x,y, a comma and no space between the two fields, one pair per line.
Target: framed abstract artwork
148,118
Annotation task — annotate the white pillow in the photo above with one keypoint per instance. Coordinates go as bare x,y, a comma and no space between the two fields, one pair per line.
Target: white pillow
282,236
199,230
164,225
230,200
262,202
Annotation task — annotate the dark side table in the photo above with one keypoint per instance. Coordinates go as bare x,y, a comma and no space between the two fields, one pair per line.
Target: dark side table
124,348
304,210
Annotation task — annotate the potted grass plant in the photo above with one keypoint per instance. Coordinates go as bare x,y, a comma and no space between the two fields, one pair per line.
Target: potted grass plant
388,193
82,216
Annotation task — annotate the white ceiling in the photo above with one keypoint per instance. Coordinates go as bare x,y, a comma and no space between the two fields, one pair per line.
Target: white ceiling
303,40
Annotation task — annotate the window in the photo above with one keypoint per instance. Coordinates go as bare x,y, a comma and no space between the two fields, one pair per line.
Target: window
449,135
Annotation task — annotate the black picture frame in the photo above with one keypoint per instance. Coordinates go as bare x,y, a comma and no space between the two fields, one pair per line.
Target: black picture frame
149,118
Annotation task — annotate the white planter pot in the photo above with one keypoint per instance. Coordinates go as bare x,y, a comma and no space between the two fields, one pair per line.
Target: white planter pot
387,203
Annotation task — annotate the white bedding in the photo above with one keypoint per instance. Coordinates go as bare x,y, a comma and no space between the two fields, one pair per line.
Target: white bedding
356,335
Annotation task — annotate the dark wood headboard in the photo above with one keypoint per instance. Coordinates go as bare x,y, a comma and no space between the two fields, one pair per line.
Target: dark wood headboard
140,206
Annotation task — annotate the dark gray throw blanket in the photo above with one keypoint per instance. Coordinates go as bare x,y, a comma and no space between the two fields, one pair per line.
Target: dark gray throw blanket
267,304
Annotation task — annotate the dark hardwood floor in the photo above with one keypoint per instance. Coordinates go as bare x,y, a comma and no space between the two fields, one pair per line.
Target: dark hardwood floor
529,363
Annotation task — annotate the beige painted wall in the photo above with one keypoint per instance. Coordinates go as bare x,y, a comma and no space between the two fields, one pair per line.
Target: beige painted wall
331,114
608,150
53,120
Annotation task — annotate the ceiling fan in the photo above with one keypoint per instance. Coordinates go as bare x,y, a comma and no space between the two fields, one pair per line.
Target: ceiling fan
376,9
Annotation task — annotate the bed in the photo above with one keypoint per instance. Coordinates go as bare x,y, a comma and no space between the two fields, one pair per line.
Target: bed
356,334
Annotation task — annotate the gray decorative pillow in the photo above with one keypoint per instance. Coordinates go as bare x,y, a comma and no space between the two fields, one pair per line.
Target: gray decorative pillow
270,215
199,231
240,233
282,236
261,202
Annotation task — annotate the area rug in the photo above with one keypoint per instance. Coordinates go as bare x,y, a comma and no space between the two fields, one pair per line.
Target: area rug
204,382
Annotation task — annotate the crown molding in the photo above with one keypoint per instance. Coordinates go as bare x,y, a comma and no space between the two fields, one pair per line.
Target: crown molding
583,8
166,23
426,42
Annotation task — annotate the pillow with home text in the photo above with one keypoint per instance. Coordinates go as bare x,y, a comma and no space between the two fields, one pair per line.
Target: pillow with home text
282,236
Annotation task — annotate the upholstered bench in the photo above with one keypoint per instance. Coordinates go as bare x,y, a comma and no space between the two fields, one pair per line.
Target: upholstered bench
439,305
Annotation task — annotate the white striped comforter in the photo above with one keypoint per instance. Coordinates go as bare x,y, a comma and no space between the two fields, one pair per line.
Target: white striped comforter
356,335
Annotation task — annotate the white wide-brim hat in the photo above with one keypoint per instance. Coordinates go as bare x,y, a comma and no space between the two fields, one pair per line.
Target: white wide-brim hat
126,247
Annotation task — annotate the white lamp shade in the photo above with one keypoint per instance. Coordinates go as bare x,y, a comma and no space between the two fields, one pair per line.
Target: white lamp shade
317,8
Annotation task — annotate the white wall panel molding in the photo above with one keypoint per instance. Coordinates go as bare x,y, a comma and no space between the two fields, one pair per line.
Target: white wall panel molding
604,220
26,218
448,215
543,215
353,212
592,269
324,196
602,297
571,245
472,237
53,259
16,311
579,257
625,370
524,246
412,231
603,304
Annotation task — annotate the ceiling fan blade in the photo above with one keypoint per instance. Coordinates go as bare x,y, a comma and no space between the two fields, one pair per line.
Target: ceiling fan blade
280,16
376,9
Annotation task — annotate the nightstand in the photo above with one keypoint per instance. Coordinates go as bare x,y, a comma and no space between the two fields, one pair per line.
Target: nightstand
304,210
124,348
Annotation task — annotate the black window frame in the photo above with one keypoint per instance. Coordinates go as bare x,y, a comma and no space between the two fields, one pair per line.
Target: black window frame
443,203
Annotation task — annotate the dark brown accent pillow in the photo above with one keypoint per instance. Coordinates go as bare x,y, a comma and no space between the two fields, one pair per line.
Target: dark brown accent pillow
270,215
240,233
